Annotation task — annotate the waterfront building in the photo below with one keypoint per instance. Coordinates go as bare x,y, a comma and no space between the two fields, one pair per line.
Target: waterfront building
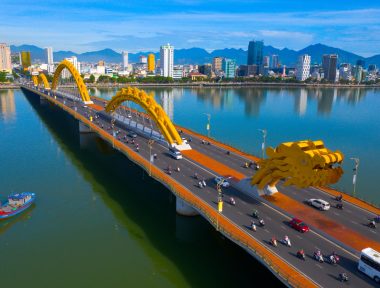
196,76
151,62
303,67
167,60
275,61
5,58
345,71
217,64
143,59
266,61
205,69
125,60
358,73
229,68
329,64
242,71
177,72
25,58
255,53
372,68
360,62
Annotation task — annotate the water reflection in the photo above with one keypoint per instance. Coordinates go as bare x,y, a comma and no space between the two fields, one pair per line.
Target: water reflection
7,104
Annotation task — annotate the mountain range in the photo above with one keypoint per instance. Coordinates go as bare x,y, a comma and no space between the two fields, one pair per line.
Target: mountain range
200,56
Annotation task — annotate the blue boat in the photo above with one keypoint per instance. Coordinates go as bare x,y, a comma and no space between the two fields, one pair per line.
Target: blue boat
16,203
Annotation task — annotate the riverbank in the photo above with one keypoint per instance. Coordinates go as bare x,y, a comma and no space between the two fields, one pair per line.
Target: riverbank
233,84
9,86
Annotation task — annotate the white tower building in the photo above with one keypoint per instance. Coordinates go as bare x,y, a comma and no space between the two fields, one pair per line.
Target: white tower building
125,60
49,59
303,67
167,60
5,58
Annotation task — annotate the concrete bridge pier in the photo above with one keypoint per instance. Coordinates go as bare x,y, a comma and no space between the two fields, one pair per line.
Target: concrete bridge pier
184,209
83,128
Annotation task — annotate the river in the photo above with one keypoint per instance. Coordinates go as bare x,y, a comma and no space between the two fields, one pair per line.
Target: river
99,221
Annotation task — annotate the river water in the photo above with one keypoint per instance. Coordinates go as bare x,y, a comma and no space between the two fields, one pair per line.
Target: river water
99,221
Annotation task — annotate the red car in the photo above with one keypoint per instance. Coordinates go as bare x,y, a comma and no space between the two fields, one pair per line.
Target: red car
299,225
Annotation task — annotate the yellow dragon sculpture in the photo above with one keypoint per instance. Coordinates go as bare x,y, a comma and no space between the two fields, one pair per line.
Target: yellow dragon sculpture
303,164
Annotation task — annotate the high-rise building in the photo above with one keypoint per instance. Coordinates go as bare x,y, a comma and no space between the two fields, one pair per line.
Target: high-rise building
329,63
217,64
372,68
266,61
151,63
5,58
205,69
167,60
358,73
345,71
49,59
125,60
303,67
25,58
229,68
143,59
255,52
360,62
275,61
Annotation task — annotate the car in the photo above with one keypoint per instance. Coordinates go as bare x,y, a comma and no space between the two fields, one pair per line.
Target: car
223,181
319,203
132,134
175,153
299,225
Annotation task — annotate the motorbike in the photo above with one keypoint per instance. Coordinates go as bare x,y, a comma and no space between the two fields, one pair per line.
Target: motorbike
253,226
301,255
343,277
255,214
196,176
286,242
371,225
339,198
339,206
200,184
318,257
232,201
261,223
273,242
204,183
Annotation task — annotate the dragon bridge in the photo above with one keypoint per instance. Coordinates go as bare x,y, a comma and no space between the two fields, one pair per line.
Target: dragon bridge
303,164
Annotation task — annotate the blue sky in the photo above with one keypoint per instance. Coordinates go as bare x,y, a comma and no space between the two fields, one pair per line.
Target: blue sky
87,25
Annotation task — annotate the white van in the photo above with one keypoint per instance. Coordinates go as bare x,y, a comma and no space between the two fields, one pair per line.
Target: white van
175,153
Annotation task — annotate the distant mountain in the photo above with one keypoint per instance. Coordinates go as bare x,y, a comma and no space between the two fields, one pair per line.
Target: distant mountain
200,56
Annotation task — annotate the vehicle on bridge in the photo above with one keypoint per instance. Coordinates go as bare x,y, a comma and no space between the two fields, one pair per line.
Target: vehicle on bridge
319,203
299,225
369,263
175,153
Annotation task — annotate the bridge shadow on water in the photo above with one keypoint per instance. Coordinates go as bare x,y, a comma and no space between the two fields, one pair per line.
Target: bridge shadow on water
203,256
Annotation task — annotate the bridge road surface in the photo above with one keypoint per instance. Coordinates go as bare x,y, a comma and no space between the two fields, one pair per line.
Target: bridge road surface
351,216
324,274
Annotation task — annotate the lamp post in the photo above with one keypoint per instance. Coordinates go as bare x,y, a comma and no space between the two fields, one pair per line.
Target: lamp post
113,132
356,160
150,143
264,132
208,123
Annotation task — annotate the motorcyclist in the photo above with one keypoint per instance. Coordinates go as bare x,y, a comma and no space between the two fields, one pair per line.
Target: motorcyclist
232,201
343,276
255,214
253,226
372,224
287,240
204,182
178,169
340,197
261,222
301,254
273,241
246,165
228,152
196,175
200,184
318,255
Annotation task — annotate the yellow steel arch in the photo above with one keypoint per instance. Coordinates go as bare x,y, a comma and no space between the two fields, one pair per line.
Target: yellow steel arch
35,80
150,105
41,79
78,79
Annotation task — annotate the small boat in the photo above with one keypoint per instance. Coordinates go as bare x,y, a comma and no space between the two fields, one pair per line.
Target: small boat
16,203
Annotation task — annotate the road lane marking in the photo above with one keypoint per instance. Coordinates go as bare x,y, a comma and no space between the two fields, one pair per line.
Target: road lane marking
299,237
319,266
266,230
337,214
283,227
353,222
240,213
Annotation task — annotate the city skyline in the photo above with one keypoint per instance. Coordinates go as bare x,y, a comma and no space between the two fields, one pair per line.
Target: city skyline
133,27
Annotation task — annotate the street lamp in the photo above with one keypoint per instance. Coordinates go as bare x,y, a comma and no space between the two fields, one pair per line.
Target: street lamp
208,123
264,132
356,160
150,143
113,132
